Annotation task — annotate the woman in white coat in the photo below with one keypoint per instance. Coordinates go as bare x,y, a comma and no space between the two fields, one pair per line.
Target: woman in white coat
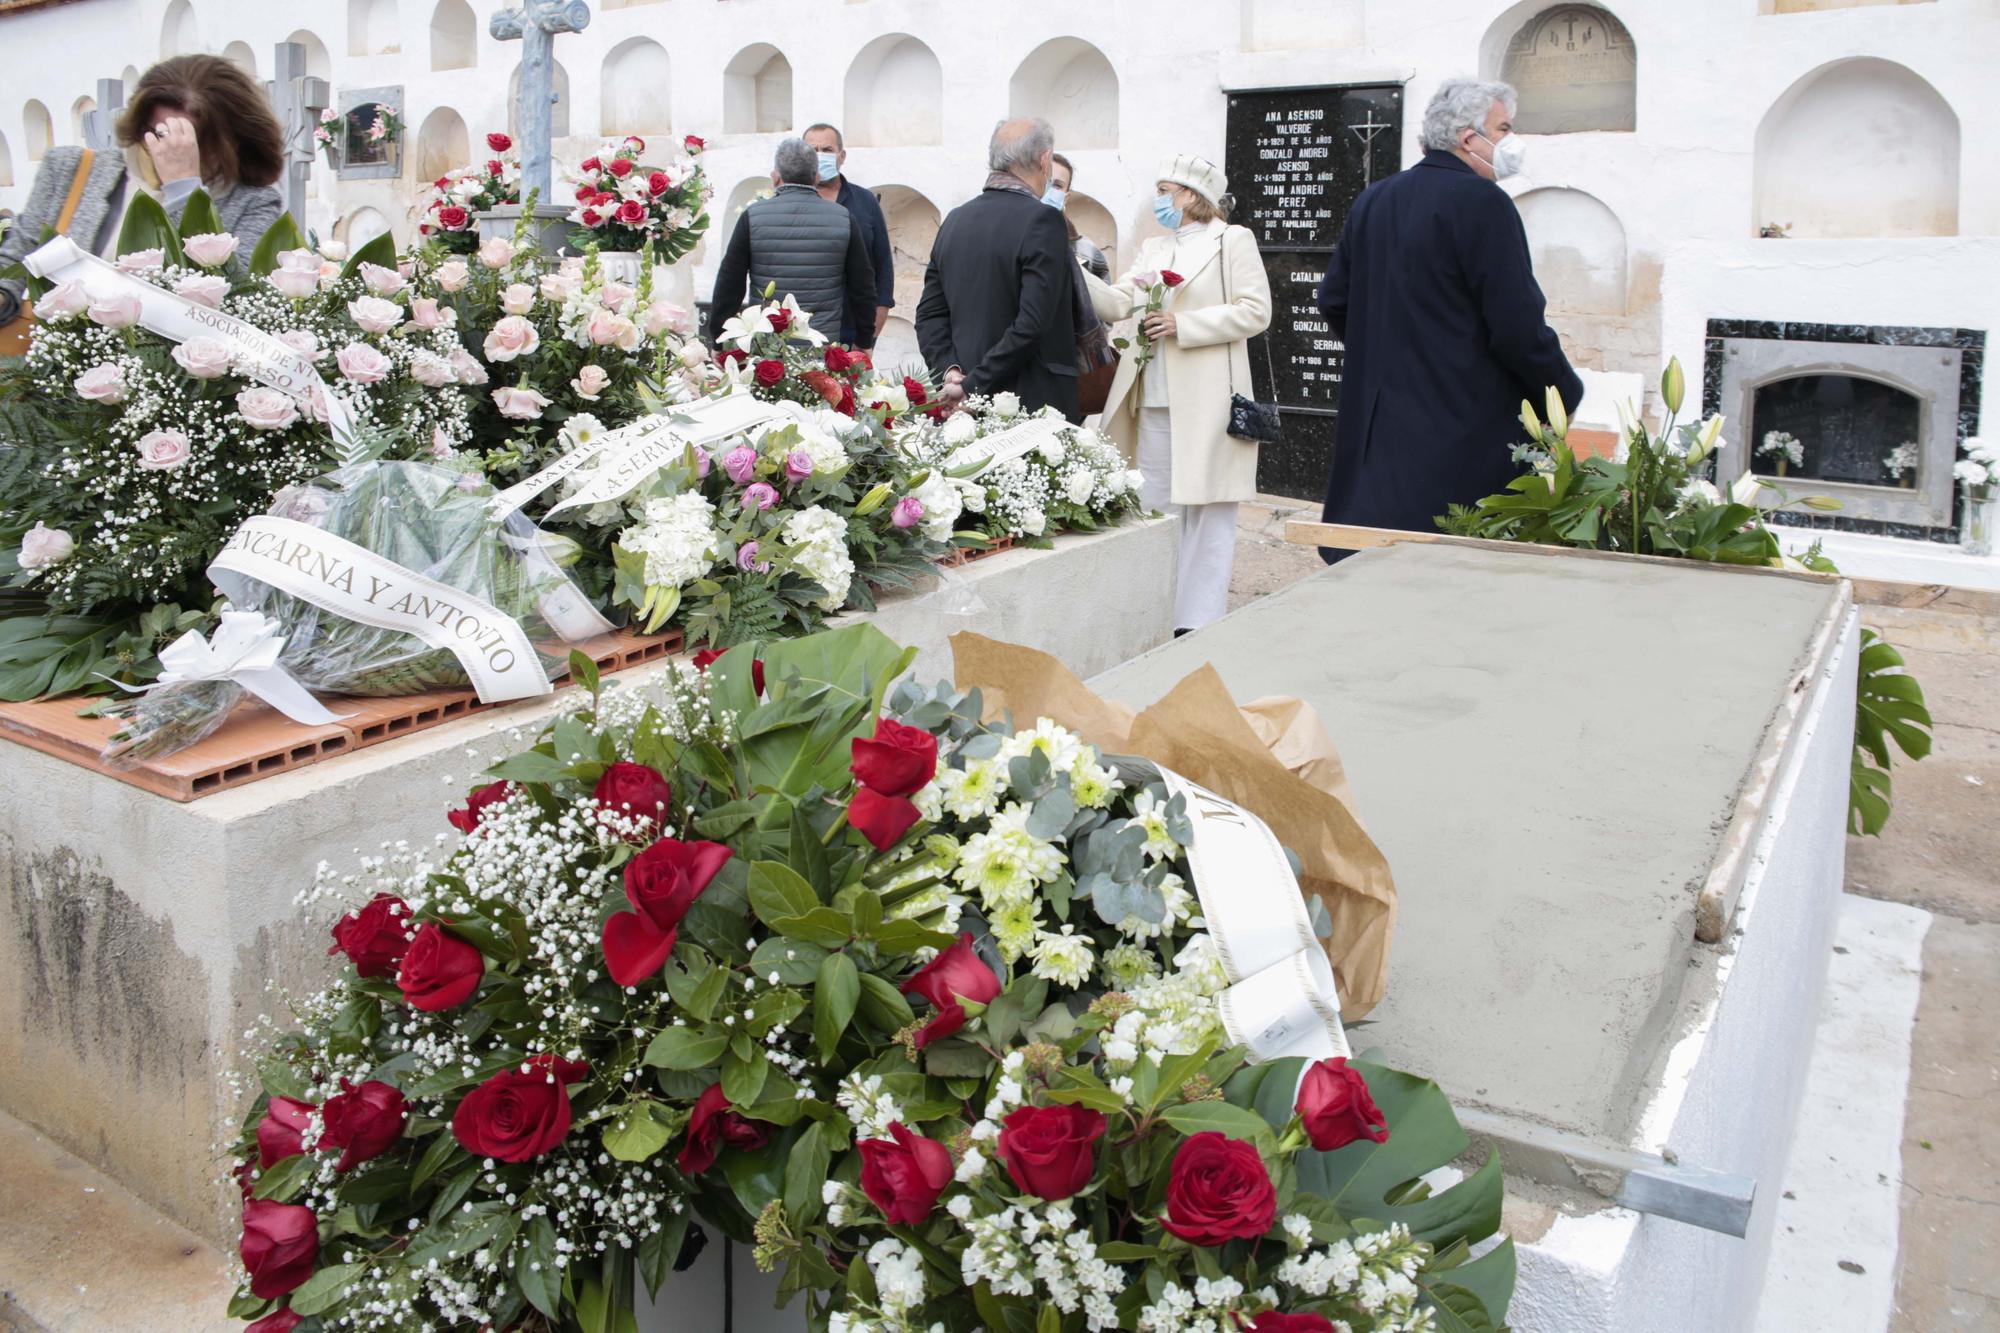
1172,417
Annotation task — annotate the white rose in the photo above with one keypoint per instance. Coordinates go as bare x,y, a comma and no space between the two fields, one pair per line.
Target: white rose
102,384
590,382
519,404
496,252
468,367
960,430
117,311
334,250
267,409
65,300
210,249
204,358
141,261
1078,485
432,371
511,337
1006,404
1034,522
381,281
162,450
518,298
373,313
452,275
304,343
556,288
203,289
891,396
42,546
362,364
1051,449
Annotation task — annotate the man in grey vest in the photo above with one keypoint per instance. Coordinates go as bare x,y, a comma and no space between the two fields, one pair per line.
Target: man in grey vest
805,246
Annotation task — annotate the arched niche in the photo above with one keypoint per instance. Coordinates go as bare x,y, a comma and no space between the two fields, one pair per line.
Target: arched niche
39,130
372,29
1860,147
636,89
1814,6
319,64
913,224
739,198
1574,66
6,162
1068,82
179,33
894,94
1293,25
558,113
454,36
78,109
240,55
130,78
1579,250
361,226
442,144
1094,220
757,91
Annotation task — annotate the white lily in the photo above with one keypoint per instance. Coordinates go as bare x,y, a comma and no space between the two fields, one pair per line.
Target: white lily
801,325
745,325
1747,490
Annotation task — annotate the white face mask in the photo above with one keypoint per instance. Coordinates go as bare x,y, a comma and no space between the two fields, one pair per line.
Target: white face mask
1509,155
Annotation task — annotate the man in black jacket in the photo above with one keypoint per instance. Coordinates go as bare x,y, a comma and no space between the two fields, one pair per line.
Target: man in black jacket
802,246
998,314
1433,292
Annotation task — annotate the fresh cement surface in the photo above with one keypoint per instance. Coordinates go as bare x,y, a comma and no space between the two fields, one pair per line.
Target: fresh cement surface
1547,841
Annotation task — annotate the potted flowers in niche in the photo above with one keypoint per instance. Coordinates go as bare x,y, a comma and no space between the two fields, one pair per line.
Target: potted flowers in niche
1978,472
621,203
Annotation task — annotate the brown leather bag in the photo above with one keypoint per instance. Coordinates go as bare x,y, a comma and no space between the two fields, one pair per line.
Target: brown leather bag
14,335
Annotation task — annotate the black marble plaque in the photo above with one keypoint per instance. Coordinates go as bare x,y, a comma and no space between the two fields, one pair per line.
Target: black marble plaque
1300,352
1298,157
1296,466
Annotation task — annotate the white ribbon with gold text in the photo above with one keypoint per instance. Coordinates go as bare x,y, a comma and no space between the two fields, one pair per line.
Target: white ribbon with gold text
1281,999
636,452
356,584
257,355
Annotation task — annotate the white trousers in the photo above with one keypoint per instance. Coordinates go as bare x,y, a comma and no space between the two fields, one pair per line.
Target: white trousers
1208,532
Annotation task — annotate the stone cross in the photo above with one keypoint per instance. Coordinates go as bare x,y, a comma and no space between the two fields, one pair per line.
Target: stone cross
100,127
298,98
536,23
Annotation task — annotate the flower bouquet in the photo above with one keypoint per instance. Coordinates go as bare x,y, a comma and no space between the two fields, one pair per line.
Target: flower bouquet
449,213
326,135
922,1006
622,203
1783,448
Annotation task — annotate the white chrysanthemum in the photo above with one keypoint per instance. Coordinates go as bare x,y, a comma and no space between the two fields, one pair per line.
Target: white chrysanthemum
1006,863
974,791
1151,815
1014,927
1126,965
1060,746
1064,958
1091,783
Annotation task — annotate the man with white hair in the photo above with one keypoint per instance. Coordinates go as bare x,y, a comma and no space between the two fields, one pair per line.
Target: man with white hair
1433,292
1002,302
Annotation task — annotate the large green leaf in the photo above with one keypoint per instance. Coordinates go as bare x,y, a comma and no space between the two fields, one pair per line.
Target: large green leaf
48,655
1489,1280
379,250
147,227
324,1289
282,235
198,216
855,664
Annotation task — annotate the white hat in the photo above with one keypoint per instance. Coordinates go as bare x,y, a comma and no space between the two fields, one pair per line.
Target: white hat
1197,173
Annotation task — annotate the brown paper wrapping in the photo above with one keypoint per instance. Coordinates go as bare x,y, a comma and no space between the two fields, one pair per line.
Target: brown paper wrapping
1271,756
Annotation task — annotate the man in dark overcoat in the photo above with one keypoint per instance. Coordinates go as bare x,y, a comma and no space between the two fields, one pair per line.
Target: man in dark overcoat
1433,292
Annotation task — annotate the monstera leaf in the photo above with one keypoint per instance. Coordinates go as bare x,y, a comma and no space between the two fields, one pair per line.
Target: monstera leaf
1889,706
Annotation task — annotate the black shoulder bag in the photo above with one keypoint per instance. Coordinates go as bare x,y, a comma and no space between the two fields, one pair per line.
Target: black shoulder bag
1249,419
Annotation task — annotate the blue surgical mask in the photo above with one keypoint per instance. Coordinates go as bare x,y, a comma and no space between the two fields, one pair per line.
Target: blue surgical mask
1164,210
1054,196
829,165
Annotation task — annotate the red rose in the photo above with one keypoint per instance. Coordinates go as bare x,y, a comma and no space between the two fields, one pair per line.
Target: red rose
1273,1322
736,354
707,656
836,358
661,883
781,319
280,1133
713,1127
603,197
517,1115
1170,278
468,819
364,1122
770,373
897,760
918,396
957,973
1047,1149
1335,1108
590,217
657,184
440,971
621,167
498,142
278,1321
634,789
280,1243
635,143
585,193
1219,1191
904,1174
693,144
374,937
632,213
423,229
881,819
441,182
453,218
494,167
590,164
846,404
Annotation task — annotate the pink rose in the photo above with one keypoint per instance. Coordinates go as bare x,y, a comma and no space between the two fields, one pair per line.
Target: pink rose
746,558
103,383
141,261
204,358
329,273
468,367
762,494
42,546
362,364
558,287
590,382
609,329
162,450
203,289
117,311
431,371
302,342
210,249
64,300
518,299
511,337
740,463
267,409
909,512
613,295
372,313
666,317
519,404
425,314
453,274
381,281
295,283
496,252
799,465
